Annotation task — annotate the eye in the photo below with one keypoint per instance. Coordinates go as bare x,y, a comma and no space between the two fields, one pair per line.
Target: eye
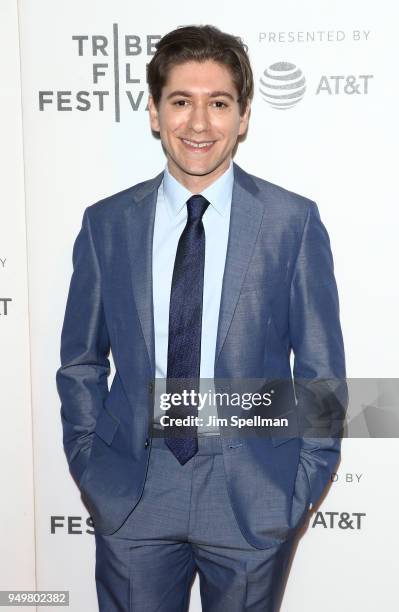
180,103
220,104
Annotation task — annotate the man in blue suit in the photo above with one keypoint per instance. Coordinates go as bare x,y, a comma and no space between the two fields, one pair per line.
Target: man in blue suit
203,273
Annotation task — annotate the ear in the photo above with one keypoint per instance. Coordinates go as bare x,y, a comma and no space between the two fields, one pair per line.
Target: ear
154,120
244,119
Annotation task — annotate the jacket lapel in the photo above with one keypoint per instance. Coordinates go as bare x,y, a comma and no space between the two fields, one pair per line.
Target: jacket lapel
245,221
140,218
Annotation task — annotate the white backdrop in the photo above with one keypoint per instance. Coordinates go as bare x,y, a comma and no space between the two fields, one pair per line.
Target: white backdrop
17,528
83,140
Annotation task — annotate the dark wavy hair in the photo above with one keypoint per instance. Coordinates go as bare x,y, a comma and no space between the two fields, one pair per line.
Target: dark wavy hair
199,44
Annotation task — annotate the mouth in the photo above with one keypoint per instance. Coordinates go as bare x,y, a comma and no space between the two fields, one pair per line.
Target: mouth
198,147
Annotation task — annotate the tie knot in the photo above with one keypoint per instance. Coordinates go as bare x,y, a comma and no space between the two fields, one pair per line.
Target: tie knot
196,206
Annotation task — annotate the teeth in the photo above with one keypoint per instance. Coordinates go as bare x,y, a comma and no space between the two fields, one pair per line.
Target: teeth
197,145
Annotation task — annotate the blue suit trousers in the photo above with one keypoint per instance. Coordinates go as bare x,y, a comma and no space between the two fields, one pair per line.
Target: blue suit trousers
184,523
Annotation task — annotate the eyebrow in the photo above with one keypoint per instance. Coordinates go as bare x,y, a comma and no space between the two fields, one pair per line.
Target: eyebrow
213,94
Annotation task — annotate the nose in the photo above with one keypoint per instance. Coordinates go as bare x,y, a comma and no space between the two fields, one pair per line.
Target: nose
199,120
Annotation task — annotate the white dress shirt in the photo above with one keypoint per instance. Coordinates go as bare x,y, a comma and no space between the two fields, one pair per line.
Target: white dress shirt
170,220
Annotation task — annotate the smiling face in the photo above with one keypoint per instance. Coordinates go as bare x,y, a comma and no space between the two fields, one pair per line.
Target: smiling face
198,118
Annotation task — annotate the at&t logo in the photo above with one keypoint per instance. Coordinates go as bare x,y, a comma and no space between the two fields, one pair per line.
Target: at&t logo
339,520
283,84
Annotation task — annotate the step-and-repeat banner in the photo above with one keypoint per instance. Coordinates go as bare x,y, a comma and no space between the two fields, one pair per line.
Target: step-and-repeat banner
17,521
86,135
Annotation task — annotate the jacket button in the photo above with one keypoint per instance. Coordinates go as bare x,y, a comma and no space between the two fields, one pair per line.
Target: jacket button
146,443
150,387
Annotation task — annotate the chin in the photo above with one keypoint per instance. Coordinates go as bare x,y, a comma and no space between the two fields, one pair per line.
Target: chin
195,170
199,171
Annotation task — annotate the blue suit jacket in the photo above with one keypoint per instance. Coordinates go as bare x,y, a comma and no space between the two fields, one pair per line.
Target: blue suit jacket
279,294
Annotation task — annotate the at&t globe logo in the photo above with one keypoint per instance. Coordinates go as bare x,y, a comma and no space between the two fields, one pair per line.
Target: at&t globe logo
282,85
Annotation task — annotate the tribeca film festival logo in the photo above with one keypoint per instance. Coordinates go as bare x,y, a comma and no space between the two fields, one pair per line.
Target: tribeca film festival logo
283,85
116,73
71,525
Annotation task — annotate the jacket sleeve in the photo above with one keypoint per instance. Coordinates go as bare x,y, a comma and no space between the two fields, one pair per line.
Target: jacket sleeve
319,360
82,378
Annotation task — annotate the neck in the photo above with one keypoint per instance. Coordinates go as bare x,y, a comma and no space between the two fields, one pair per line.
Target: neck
197,183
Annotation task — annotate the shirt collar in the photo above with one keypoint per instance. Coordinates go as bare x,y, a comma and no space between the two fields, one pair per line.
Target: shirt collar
218,193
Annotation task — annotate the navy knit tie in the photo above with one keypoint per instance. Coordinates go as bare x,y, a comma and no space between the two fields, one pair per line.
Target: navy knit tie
185,325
